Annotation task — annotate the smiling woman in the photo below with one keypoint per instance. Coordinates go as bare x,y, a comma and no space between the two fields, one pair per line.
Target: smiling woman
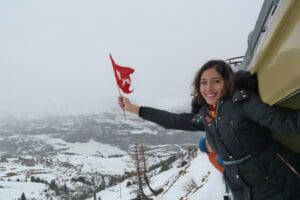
212,86
209,84
238,128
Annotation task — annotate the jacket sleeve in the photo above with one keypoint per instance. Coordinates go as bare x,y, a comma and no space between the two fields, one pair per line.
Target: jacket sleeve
169,120
273,117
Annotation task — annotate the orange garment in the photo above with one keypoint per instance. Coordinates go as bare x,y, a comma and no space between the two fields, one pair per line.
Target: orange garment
213,158
212,111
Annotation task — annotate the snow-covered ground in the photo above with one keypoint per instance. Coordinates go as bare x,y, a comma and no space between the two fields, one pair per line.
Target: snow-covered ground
70,160
14,190
209,183
71,153
67,161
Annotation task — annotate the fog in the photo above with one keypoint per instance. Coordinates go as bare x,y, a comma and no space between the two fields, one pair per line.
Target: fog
54,54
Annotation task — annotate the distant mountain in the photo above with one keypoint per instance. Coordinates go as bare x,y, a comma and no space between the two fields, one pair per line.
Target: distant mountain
108,128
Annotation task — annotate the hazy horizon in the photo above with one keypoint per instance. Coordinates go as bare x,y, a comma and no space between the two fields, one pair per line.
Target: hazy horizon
54,54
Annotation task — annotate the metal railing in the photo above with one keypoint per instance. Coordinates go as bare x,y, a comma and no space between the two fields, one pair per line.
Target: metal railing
235,62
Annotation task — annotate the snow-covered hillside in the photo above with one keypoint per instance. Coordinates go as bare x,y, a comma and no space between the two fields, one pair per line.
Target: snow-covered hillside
209,183
74,166
75,156
14,190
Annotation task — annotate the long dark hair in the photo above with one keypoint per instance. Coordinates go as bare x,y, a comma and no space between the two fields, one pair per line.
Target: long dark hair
223,69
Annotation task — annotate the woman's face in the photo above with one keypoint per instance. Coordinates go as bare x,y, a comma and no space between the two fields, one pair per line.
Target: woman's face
212,86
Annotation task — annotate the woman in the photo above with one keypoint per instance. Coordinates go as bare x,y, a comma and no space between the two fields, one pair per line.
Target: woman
238,128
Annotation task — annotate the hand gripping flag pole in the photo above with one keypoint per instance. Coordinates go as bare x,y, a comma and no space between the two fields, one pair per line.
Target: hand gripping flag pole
122,75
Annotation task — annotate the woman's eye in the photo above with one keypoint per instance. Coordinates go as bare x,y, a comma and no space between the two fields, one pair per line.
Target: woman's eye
203,82
216,81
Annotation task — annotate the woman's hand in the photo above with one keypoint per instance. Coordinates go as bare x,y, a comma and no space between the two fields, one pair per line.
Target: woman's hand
125,104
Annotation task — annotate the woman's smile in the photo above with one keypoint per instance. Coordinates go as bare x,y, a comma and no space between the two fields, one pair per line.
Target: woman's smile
212,86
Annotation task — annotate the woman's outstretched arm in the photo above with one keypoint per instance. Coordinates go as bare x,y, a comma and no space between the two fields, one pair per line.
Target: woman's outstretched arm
163,118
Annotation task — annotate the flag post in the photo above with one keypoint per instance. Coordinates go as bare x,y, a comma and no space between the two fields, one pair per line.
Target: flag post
120,94
124,112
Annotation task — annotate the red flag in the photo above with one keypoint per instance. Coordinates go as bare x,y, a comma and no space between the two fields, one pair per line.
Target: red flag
122,76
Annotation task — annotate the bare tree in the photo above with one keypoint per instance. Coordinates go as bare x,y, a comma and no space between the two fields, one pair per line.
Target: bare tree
192,152
139,173
143,150
94,188
190,185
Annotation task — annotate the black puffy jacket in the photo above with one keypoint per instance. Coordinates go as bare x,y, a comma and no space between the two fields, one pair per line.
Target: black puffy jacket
241,135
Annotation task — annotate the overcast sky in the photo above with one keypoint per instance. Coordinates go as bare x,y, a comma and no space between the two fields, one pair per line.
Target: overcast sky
54,53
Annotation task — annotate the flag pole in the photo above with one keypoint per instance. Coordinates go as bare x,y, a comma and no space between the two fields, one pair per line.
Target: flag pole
112,62
124,113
